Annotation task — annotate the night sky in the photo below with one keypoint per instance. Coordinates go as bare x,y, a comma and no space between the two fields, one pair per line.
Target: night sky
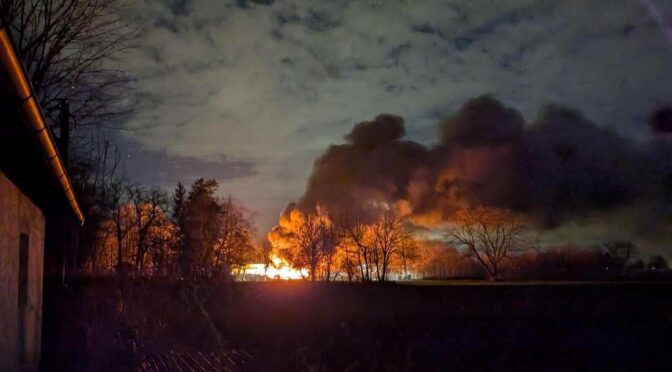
250,92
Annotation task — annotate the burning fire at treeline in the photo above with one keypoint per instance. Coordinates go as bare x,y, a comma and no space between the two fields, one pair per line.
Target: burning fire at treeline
557,170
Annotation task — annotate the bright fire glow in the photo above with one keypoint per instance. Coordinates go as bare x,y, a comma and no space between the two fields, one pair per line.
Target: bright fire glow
278,269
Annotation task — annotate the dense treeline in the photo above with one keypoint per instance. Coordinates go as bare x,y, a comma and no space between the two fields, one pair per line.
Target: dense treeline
196,234
480,242
606,261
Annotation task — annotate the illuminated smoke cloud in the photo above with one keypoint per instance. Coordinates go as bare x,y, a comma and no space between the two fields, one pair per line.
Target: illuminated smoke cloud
375,165
560,167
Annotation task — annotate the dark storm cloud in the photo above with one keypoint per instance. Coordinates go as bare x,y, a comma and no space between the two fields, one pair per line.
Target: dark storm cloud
179,7
250,3
490,26
311,20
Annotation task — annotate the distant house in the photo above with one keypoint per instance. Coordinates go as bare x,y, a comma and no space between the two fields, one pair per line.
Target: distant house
35,196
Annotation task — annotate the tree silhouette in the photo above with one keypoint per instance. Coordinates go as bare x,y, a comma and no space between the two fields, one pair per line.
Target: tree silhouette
490,235
67,47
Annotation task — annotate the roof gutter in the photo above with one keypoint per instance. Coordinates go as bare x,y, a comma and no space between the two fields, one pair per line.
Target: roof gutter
31,111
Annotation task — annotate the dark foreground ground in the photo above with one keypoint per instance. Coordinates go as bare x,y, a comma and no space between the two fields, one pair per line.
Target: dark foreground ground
308,326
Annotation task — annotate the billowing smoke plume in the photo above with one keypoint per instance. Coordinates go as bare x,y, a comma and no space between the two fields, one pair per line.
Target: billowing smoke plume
482,121
375,165
558,168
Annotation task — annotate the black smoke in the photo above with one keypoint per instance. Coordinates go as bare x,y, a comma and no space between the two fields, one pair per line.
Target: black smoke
557,168
375,164
482,121
661,121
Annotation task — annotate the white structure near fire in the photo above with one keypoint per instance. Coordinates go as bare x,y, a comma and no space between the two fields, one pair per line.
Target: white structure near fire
277,269
281,269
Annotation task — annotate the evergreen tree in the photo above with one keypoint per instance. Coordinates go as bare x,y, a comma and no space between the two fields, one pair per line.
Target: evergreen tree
179,204
200,228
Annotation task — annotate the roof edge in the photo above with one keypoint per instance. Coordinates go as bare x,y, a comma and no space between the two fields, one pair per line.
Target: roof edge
33,114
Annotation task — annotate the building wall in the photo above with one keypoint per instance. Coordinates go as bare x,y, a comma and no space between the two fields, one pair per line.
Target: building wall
19,215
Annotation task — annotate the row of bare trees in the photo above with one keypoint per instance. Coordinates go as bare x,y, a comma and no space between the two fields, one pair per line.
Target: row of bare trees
196,235
375,245
368,246
608,260
482,241
354,246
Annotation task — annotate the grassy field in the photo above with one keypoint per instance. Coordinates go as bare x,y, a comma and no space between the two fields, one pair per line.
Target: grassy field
480,282
437,325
